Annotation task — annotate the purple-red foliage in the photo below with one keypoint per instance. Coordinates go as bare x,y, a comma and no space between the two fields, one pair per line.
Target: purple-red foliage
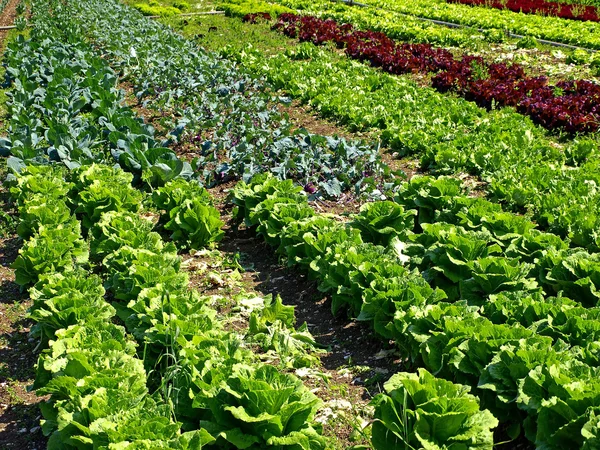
254,17
548,8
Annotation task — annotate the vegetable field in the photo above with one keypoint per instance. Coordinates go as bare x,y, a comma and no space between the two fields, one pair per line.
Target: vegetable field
291,224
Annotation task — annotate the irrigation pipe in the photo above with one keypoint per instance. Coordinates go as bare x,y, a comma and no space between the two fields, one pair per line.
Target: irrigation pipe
12,27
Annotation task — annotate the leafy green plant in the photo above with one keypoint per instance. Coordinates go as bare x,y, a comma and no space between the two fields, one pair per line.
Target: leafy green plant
176,192
61,300
46,181
57,248
574,273
496,274
119,228
132,270
304,240
273,214
273,329
246,196
159,316
380,222
261,407
195,225
38,211
421,411
102,196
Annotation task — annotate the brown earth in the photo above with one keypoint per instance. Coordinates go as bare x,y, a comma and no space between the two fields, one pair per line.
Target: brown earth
19,410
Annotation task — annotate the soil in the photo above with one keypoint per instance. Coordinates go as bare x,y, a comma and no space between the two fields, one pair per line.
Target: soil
19,409
356,362
7,18
302,116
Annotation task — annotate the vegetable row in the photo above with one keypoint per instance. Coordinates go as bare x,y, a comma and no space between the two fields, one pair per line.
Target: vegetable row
570,105
65,107
542,7
391,17
455,291
221,118
402,27
89,360
182,343
554,182
96,384
101,394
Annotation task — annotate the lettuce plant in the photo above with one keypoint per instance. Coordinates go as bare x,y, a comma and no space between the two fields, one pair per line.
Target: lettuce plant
62,300
47,181
195,225
38,211
83,177
104,196
176,192
304,240
273,329
246,196
261,407
119,228
418,410
132,270
273,214
380,222
57,248
574,273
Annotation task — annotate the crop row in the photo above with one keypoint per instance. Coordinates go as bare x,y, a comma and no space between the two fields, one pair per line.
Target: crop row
66,107
580,2
247,136
394,16
100,393
240,8
95,382
554,182
224,115
402,27
542,7
457,296
573,105
449,133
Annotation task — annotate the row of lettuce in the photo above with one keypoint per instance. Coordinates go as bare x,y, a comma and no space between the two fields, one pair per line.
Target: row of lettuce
85,234
403,27
106,393
520,343
572,106
528,171
175,367
564,9
464,289
389,16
